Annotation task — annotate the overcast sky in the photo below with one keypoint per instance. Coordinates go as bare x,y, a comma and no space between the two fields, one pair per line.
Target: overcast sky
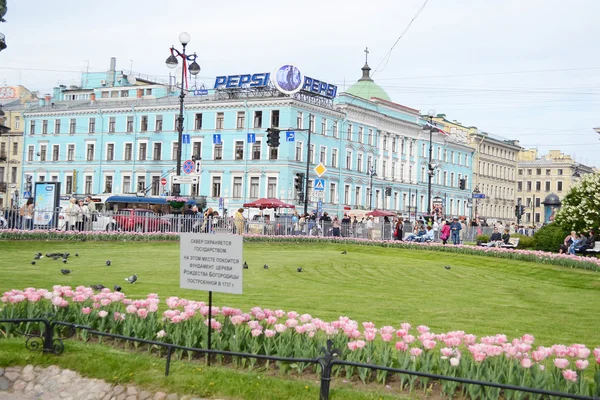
523,69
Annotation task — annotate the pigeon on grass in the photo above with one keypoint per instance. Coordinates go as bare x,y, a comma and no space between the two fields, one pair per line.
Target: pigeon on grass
98,287
265,266
66,271
245,266
117,288
299,269
447,266
108,263
132,279
37,256
344,252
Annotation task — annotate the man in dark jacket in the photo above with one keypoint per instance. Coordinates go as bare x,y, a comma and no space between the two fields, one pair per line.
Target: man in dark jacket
455,228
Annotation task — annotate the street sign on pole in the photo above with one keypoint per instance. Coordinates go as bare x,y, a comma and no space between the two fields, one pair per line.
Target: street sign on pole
197,168
211,262
163,181
318,194
217,138
185,179
188,166
290,136
320,170
319,184
251,138
185,138
478,196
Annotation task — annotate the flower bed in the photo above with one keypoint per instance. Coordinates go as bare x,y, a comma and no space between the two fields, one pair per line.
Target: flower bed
289,334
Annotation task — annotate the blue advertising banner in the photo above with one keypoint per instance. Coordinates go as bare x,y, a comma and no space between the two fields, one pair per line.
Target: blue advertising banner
46,200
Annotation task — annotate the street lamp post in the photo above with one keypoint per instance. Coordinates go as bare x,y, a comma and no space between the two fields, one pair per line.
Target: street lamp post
430,166
475,191
194,68
371,173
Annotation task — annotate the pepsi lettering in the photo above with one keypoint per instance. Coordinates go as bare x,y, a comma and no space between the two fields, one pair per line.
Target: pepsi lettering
242,81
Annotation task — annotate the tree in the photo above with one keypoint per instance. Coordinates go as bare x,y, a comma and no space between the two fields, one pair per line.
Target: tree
580,210
2,10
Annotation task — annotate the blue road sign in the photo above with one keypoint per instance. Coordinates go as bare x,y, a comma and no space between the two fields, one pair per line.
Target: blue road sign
320,206
221,203
200,92
478,196
319,184
185,138
26,195
188,166
290,136
217,138
251,138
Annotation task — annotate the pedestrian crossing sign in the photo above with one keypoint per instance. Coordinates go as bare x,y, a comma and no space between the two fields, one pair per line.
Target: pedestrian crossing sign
319,184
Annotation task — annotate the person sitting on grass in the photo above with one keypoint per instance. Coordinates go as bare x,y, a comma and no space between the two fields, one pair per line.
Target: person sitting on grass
495,239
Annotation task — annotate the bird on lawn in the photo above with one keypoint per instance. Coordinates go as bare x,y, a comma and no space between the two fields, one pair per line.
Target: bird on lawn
447,266
117,288
76,254
98,287
33,263
108,263
245,266
64,260
37,256
344,252
299,269
55,258
132,279
265,266
66,271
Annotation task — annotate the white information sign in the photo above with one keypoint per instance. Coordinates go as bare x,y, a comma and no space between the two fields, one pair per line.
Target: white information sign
185,179
211,262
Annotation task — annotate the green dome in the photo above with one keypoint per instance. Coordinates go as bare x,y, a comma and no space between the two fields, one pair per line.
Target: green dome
366,88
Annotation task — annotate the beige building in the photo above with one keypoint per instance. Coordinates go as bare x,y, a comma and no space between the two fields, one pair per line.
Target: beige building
539,176
12,104
494,170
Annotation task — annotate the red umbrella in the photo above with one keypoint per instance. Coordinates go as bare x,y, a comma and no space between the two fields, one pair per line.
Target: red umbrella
268,203
380,213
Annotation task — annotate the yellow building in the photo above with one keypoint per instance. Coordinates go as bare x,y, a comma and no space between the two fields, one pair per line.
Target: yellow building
539,176
494,170
12,104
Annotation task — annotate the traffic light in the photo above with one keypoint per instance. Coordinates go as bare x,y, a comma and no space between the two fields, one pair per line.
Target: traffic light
299,182
522,209
273,137
517,211
462,183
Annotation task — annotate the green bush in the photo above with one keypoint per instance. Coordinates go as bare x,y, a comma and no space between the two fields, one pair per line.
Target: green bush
550,237
483,238
525,242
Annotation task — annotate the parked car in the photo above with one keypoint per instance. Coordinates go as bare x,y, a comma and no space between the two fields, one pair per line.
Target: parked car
140,220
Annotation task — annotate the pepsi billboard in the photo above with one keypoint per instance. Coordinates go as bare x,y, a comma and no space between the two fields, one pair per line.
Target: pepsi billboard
288,79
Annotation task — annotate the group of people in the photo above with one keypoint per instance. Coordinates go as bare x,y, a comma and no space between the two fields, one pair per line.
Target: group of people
578,243
80,214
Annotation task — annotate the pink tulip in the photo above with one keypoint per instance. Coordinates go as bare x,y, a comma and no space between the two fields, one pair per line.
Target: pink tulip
406,326
429,344
56,300
370,334
415,352
408,338
131,309
560,350
387,329
538,356
570,375
422,328
330,330
583,352
446,352
452,341
352,346
479,357
271,319
256,332
582,364
454,361
300,329
253,324
291,323
401,332
86,310
597,352
105,302
161,334
561,363
305,318
360,344
526,363
279,313
176,319
102,314
386,337
280,328
402,346
152,296
270,333
528,339
368,325
470,339
292,314
142,313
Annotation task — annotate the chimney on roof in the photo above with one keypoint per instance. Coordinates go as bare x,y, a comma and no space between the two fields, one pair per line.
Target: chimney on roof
112,71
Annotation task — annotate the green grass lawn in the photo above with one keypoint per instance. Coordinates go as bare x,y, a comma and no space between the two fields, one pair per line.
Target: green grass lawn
480,295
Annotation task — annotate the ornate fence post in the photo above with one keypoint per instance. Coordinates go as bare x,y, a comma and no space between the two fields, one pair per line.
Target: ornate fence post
48,336
329,354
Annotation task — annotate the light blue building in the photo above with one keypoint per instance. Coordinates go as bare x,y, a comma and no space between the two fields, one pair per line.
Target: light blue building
117,134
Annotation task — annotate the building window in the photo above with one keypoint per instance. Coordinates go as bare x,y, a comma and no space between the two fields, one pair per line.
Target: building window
323,155
43,153
312,153
15,148
56,126
126,184
70,152
258,119
110,152
111,124
272,187
332,193
158,126
55,152
370,137
32,127
529,172
218,151
323,127
357,199
560,172
124,93
335,129
141,184
349,134
299,120
360,134
369,163
68,184
90,152
239,150
157,152
142,149
241,120
13,175
237,187
519,186
273,153
144,124
92,125
256,150
129,124
346,194
559,186
220,120
108,184
17,123
174,153
547,186
348,160
538,171
311,123
538,186
197,150
128,151
198,121
254,187
45,127
275,118
334,158
88,184
548,172
155,185
298,156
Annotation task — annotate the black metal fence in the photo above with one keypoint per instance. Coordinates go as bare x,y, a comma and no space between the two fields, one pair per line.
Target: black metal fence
48,343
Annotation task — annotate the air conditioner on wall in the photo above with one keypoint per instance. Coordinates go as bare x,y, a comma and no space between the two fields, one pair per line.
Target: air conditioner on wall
103,82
